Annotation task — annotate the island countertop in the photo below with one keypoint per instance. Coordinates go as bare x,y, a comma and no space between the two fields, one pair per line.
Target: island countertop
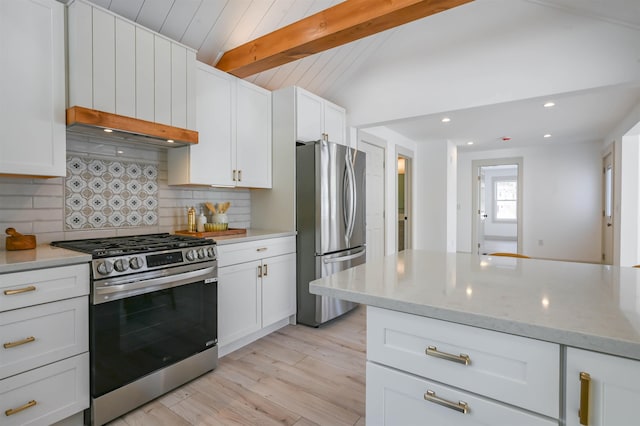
589,306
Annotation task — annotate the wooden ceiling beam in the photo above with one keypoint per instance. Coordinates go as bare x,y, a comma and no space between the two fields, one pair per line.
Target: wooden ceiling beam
341,24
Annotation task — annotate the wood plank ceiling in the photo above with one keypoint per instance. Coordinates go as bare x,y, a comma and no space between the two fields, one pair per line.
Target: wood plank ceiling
215,26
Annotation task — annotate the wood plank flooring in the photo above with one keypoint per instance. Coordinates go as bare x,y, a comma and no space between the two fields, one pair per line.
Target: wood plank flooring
296,376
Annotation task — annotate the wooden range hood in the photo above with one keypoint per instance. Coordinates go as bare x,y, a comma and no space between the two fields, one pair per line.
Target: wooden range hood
126,129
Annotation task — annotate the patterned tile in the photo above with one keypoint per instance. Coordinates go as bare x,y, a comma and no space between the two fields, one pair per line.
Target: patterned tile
110,194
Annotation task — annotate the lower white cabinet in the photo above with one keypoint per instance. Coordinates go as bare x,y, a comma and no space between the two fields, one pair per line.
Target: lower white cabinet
256,288
398,398
608,387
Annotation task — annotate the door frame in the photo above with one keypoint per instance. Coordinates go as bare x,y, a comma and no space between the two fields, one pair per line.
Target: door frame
475,165
409,157
610,151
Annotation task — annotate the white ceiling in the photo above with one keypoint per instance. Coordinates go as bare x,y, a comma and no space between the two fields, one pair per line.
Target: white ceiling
214,26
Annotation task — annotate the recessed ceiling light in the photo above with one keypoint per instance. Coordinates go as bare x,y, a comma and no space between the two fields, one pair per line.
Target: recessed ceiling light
548,135
549,104
170,140
108,130
446,120
470,143
120,151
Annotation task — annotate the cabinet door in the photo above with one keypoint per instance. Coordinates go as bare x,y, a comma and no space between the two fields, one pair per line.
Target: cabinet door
334,123
396,398
253,135
125,68
178,86
104,61
145,102
309,116
212,159
162,80
239,301
32,88
614,388
278,288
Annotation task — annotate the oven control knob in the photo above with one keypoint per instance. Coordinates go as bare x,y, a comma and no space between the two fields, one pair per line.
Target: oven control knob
121,265
135,262
105,268
201,253
192,255
211,252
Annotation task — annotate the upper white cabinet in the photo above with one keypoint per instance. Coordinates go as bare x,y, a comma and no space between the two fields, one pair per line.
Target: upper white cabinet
317,118
32,88
601,389
234,126
123,68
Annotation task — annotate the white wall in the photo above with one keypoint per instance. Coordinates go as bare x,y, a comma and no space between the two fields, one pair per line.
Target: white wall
393,142
562,193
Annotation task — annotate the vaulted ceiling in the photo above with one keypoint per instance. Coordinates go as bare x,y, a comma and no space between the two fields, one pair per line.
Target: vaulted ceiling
215,26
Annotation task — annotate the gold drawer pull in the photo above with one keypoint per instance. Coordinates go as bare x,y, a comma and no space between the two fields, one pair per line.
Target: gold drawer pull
261,249
583,413
460,359
20,290
259,271
19,342
266,271
460,407
12,411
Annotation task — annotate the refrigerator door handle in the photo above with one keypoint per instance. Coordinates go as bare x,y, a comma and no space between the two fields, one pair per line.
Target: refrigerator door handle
351,182
344,258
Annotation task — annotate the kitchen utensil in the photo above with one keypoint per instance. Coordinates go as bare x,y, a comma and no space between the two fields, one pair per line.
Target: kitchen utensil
211,207
17,241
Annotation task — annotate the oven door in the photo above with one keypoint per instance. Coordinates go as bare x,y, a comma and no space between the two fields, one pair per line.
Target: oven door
137,335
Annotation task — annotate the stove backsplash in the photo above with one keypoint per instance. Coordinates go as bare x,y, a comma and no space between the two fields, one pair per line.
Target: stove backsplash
86,204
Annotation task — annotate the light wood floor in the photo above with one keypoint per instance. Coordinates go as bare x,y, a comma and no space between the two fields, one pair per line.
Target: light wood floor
296,376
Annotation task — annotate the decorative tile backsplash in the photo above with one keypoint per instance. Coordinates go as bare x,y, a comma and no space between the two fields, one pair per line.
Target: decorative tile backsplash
110,194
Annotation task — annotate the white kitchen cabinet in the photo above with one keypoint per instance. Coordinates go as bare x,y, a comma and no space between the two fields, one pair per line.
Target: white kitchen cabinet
120,67
317,118
256,289
32,88
398,398
234,125
520,375
44,358
611,392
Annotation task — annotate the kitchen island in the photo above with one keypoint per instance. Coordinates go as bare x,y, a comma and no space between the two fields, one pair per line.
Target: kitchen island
503,332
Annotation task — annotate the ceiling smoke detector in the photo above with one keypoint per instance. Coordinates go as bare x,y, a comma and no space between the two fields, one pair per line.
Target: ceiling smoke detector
506,138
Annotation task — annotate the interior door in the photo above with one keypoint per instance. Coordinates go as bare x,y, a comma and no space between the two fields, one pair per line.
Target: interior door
607,209
375,197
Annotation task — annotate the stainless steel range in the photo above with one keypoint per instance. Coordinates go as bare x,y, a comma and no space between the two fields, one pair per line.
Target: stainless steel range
153,317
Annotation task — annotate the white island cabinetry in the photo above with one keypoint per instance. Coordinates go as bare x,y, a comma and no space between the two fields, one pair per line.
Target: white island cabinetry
256,290
234,126
32,88
44,358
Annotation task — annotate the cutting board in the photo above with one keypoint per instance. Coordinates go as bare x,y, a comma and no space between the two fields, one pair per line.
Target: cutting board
208,234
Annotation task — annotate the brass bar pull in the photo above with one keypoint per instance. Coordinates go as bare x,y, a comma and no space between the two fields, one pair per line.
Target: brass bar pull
583,413
259,271
460,406
460,359
265,270
261,249
19,342
20,290
239,175
235,175
12,411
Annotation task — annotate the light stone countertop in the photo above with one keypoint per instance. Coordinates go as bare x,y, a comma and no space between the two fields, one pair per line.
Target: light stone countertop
590,306
252,235
43,256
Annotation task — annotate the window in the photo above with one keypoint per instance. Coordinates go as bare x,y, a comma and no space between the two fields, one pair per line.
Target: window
505,200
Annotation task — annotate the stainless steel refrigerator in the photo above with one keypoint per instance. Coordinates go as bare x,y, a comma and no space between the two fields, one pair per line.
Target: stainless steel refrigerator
330,218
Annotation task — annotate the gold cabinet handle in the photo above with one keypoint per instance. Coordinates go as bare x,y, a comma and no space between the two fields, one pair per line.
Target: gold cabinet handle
460,359
20,290
19,342
583,413
265,270
239,175
235,175
460,406
12,411
261,249
259,271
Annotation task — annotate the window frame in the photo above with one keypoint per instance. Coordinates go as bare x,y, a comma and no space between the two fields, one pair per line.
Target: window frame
494,195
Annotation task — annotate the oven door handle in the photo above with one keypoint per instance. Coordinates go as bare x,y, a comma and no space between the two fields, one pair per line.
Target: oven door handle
110,292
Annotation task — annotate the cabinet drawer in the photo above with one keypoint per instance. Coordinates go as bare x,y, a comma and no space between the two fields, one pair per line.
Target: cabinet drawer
20,289
38,335
397,398
230,254
517,370
59,390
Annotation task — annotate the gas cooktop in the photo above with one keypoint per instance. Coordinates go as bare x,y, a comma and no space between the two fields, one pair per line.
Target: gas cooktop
113,246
